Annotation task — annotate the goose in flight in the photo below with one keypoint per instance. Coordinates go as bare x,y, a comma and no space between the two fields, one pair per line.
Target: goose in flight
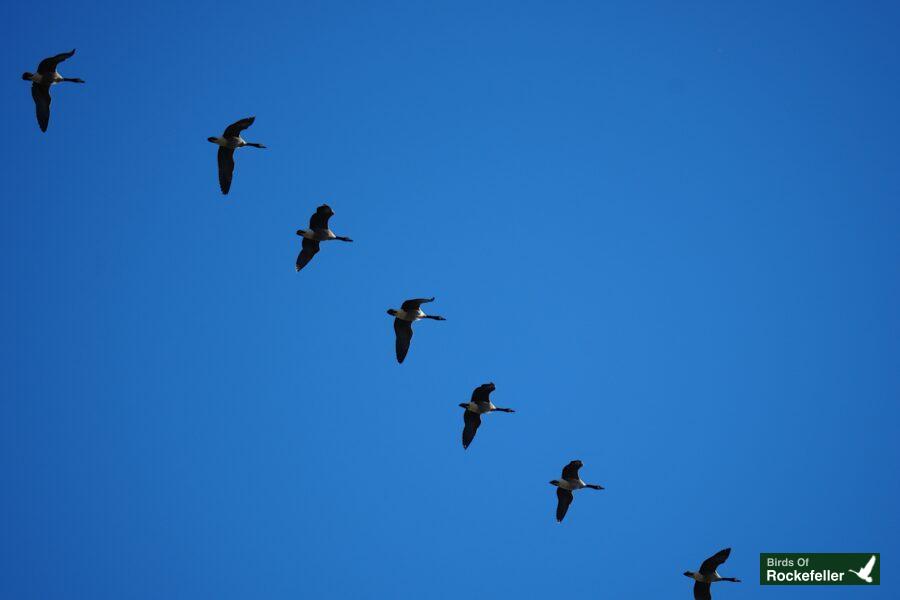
569,483
708,574
228,143
477,406
409,313
40,85
866,572
318,232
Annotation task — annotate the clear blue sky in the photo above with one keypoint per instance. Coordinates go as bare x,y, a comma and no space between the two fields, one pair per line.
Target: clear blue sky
668,234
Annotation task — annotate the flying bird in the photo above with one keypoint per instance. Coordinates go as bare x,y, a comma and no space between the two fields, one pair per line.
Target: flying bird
866,572
477,406
318,232
41,81
228,143
409,312
708,575
569,483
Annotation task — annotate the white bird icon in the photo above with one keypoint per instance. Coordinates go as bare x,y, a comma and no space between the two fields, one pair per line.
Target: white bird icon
865,572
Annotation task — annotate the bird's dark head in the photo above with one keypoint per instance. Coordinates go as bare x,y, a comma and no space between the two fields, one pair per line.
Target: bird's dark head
392,312
26,76
211,139
554,482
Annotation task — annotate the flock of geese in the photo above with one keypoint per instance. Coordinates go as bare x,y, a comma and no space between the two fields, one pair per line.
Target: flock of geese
404,317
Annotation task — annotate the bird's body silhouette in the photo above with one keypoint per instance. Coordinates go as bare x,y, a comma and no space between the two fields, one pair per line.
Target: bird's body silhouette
565,487
228,142
477,406
410,312
318,232
41,81
708,574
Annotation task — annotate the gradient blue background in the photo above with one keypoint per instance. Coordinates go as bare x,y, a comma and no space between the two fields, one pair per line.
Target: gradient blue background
668,234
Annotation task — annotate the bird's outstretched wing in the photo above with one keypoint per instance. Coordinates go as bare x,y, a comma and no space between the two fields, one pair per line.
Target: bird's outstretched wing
712,563
701,591
48,65
237,127
563,500
310,248
472,422
570,471
319,220
482,394
414,303
41,95
867,570
226,168
404,332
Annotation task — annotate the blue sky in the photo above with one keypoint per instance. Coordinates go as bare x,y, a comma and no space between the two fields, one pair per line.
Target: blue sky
669,234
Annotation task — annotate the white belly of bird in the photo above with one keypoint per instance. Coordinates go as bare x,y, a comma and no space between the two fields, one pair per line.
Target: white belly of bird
230,143
409,316
571,485
318,235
